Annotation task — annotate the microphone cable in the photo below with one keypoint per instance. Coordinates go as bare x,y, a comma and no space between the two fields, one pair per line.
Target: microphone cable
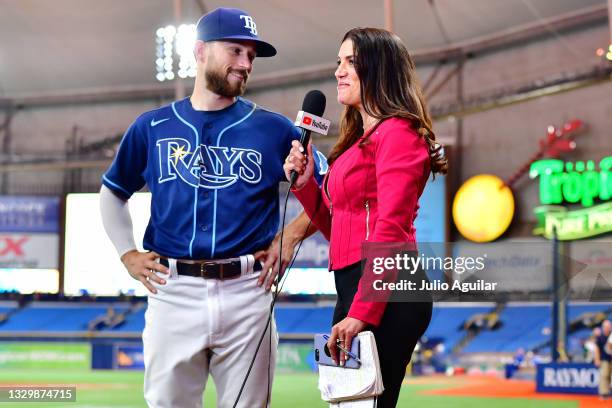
314,104
280,281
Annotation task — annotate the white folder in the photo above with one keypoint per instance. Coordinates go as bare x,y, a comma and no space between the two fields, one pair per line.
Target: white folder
350,387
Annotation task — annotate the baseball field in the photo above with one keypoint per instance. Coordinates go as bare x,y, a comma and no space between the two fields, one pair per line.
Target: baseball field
123,389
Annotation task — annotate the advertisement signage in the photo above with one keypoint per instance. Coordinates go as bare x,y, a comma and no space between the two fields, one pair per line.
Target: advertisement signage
295,357
107,275
574,378
45,355
29,214
27,281
582,184
291,357
29,251
29,228
128,356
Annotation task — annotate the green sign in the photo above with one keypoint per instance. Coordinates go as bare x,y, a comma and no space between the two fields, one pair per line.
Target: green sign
45,355
576,224
573,183
579,183
295,357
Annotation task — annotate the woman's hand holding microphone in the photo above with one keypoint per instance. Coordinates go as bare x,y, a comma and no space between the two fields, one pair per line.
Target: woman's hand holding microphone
302,164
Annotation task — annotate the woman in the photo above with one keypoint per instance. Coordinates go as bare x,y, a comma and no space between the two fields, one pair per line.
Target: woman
378,169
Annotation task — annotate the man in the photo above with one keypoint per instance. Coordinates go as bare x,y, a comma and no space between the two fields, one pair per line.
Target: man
590,345
213,163
603,358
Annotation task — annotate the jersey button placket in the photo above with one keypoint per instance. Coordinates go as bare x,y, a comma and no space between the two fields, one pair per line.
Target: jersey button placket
206,195
207,136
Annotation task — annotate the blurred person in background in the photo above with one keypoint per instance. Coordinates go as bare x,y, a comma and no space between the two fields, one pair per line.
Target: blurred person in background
378,170
519,357
602,359
590,345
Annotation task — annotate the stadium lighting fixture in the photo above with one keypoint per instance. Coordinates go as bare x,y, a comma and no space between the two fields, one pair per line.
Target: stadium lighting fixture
175,44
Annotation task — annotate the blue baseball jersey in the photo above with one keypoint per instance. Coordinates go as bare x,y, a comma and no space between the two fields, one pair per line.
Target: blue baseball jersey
213,176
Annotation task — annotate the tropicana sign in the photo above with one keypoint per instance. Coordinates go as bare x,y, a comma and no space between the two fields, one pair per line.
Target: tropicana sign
573,183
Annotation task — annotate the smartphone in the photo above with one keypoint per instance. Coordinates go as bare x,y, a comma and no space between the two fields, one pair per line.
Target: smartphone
323,357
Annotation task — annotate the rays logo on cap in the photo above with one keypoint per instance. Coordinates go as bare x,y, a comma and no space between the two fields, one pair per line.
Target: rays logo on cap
226,24
249,23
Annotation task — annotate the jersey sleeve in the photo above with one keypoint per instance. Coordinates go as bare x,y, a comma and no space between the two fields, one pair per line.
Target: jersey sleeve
125,175
321,166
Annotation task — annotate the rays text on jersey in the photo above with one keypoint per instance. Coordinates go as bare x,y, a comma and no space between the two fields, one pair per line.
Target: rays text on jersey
212,167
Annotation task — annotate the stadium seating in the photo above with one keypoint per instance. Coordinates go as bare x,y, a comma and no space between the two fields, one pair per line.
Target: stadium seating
134,322
303,319
6,310
54,317
521,326
75,317
525,325
447,322
293,320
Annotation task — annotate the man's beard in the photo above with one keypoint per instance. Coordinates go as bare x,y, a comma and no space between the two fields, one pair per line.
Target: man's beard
217,82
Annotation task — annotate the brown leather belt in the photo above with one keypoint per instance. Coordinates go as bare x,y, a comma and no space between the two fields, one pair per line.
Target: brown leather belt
215,269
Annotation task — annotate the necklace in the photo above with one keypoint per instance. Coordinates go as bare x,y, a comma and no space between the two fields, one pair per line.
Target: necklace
369,122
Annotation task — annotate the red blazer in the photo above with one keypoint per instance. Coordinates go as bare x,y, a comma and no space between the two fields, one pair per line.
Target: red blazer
370,193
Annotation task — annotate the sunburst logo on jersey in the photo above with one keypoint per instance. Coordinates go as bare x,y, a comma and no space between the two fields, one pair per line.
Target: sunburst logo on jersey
178,153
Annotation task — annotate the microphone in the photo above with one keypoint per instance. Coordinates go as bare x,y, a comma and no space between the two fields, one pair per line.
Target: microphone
309,120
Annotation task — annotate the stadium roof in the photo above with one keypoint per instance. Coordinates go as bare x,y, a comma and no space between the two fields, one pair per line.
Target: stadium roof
58,45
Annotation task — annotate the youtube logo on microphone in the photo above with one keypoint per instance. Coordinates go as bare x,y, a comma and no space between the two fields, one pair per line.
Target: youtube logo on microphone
312,123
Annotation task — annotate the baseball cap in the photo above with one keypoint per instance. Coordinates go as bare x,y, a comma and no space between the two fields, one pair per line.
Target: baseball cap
232,24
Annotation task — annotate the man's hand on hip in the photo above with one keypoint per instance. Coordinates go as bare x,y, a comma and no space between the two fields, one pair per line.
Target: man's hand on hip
270,261
142,267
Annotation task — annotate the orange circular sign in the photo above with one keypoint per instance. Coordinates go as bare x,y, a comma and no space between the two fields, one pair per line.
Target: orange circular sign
483,208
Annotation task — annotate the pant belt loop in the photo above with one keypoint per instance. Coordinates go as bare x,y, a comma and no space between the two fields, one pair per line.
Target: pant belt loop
173,269
251,263
244,265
